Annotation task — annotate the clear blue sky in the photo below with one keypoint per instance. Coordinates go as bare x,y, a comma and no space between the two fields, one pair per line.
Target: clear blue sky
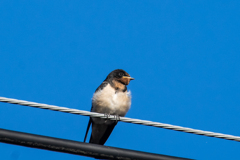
184,56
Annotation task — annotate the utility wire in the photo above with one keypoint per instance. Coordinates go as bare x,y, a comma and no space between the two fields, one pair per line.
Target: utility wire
123,119
78,148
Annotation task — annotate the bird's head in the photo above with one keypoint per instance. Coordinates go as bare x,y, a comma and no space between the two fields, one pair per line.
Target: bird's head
120,75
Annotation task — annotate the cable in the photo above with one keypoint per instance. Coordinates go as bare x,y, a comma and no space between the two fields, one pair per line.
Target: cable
78,148
123,119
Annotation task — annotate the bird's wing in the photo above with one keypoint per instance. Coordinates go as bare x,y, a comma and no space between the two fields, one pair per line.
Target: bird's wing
101,132
104,83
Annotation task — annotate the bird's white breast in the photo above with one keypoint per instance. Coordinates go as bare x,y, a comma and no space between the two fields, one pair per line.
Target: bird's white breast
109,101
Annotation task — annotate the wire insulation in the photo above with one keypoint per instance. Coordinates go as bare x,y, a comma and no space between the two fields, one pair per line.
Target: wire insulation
78,148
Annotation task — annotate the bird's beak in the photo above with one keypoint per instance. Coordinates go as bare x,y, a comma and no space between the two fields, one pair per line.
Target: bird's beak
128,77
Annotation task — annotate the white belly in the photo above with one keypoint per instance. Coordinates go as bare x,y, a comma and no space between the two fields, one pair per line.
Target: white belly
111,102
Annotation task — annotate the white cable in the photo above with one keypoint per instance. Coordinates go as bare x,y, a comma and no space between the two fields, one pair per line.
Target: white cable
123,119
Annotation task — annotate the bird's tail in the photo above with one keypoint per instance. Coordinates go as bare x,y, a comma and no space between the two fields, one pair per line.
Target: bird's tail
89,123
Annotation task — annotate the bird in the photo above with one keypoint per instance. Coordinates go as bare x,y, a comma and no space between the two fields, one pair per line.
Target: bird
110,98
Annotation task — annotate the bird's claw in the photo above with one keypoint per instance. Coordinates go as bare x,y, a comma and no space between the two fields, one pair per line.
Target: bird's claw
117,118
107,115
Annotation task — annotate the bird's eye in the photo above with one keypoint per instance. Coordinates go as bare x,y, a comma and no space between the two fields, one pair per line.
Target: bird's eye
120,74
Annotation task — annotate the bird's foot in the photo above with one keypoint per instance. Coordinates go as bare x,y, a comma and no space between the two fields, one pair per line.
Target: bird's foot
117,118
107,115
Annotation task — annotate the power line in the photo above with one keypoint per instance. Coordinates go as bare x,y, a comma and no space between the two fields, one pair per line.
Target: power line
78,148
123,119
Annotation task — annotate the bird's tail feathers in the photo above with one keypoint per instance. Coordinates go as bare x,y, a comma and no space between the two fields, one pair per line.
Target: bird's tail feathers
89,123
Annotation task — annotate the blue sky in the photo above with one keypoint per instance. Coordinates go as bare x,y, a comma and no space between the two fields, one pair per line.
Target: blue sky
184,56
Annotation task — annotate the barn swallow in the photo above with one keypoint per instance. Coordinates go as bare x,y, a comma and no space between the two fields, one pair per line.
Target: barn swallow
111,97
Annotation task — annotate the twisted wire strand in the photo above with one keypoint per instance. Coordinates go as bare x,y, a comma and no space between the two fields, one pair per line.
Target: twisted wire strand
123,119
